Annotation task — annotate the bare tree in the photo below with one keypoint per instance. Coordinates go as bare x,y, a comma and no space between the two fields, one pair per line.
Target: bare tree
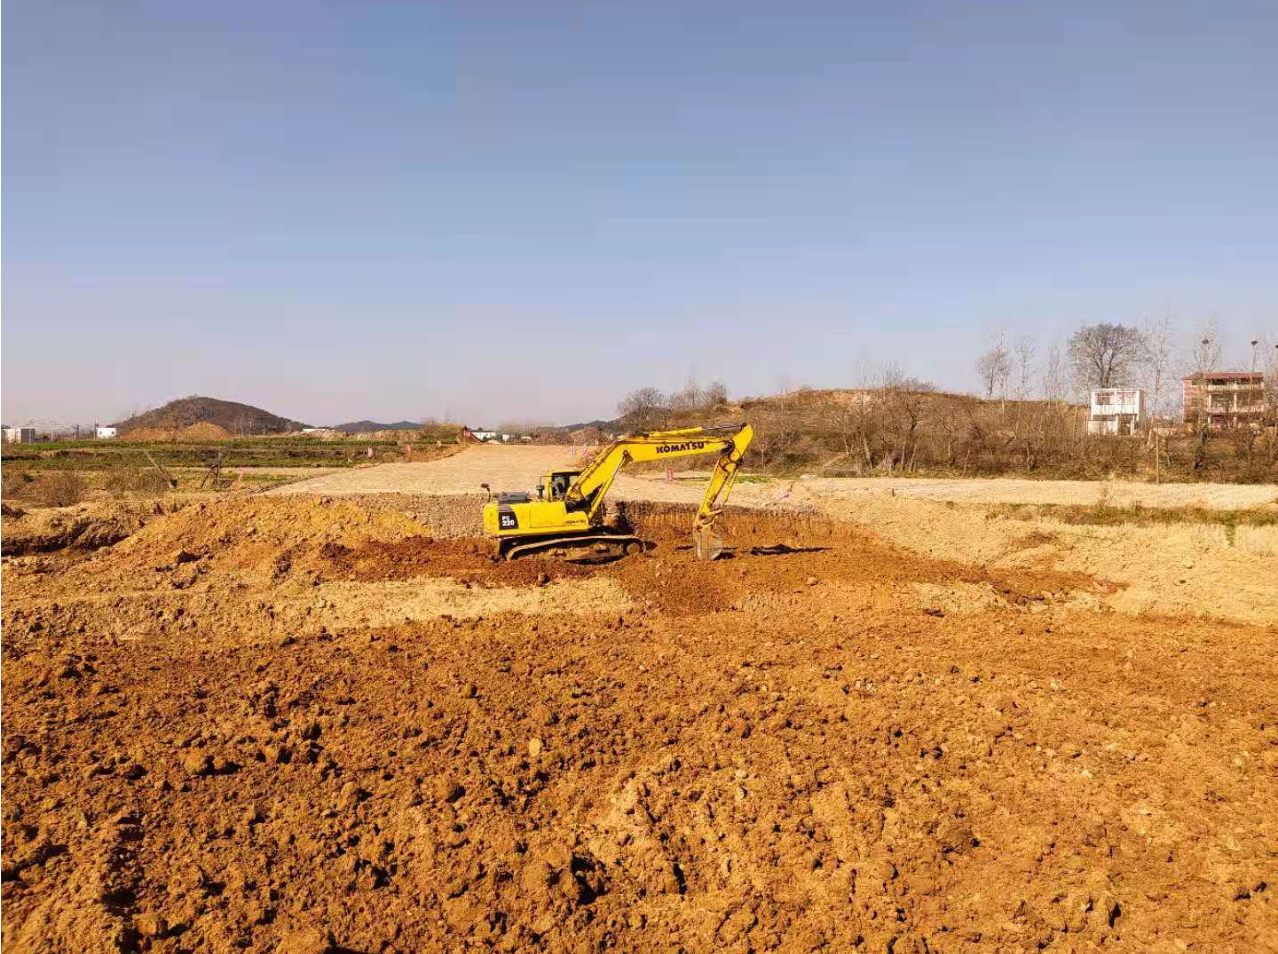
1269,362
864,372
1205,352
1102,355
1024,350
716,394
1055,376
1157,352
688,398
994,367
644,408
521,427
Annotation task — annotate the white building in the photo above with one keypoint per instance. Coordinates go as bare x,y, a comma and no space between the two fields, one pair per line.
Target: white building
1116,411
106,433
19,435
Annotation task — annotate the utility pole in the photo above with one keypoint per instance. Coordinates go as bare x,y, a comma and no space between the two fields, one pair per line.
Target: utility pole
1251,382
1203,408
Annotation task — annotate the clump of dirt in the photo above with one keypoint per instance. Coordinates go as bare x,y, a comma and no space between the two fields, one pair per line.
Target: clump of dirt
293,725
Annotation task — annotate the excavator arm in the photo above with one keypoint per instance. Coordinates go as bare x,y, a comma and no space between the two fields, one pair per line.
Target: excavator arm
730,443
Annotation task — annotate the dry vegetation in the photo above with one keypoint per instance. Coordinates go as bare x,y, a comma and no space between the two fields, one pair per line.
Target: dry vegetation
1030,419
904,427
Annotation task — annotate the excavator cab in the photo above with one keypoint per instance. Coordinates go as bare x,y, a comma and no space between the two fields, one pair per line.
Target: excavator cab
555,484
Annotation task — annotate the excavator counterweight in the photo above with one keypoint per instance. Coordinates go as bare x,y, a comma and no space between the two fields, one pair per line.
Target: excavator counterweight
567,512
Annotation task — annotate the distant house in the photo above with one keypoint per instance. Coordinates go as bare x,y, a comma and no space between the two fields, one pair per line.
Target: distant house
483,435
1118,411
1225,399
106,433
19,435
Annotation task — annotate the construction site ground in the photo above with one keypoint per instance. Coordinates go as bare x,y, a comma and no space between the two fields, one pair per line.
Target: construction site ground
519,467
326,719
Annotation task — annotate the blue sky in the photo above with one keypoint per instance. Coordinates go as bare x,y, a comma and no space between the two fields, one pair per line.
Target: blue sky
497,211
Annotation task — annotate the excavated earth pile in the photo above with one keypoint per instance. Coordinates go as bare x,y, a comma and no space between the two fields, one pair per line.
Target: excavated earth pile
302,726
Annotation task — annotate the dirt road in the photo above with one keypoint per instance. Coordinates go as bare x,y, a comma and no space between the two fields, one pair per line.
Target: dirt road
502,468
518,468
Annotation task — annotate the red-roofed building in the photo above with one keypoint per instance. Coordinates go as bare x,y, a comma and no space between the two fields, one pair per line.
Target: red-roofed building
1229,399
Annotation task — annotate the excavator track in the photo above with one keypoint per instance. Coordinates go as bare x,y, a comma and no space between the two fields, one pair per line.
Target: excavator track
599,546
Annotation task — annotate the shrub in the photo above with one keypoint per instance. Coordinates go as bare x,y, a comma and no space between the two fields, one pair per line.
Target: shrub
62,489
15,483
126,480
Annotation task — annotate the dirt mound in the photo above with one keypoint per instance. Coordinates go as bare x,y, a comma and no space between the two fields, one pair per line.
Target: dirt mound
203,431
147,435
256,539
284,724
1176,569
192,433
84,527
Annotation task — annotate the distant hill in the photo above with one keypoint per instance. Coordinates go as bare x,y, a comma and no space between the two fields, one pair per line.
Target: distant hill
235,418
367,427
610,426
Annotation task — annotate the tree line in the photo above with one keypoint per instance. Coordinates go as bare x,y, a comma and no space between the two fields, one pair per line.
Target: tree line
1153,356
1028,418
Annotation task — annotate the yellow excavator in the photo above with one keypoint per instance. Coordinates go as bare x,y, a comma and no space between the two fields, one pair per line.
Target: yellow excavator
568,513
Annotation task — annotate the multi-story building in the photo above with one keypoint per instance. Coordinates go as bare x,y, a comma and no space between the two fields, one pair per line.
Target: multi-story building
1224,399
1116,411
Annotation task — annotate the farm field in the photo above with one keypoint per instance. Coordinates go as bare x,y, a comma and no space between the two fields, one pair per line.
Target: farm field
324,718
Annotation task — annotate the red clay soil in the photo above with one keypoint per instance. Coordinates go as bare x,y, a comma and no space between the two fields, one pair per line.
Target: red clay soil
461,559
800,748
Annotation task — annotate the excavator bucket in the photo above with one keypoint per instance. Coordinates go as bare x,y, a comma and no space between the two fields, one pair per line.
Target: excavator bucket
709,545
